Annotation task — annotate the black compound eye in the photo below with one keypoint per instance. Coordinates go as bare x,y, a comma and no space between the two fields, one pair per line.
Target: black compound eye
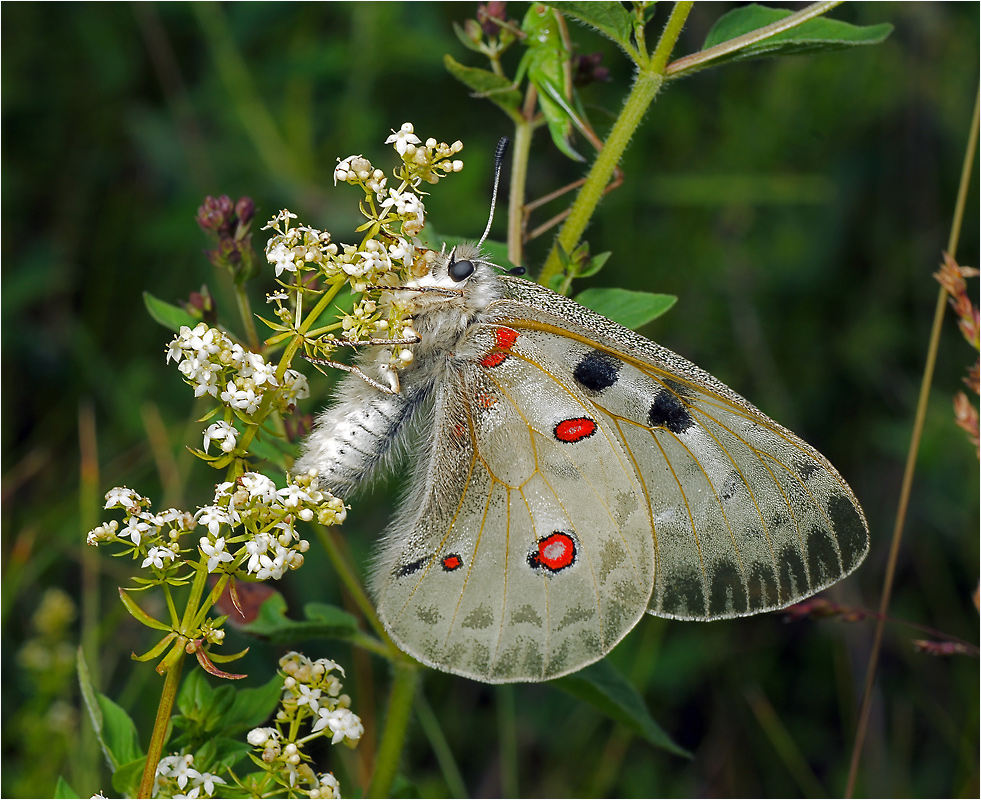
460,270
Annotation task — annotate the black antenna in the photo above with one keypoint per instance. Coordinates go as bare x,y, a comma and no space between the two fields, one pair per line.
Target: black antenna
502,148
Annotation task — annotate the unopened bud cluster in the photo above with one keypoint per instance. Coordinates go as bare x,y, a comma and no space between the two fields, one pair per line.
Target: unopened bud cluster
312,696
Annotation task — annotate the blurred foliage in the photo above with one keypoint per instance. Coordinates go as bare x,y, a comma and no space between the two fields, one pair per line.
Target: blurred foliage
797,207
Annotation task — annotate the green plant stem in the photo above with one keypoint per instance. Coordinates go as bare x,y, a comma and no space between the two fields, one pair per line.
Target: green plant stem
396,726
650,78
904,494
507,740
516,193
160,725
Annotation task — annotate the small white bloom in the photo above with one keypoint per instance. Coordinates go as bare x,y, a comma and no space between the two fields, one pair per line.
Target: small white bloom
221,432
157,556
216,552
403,138
134,530
207,782
213,517
259,737
121,497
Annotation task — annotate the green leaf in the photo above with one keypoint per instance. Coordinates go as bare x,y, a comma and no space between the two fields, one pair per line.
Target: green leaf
63,790
496,88
114,729
252,707
631,309
610,19
139,614
596,263
168,315
817,35
604,688
321,621
126,779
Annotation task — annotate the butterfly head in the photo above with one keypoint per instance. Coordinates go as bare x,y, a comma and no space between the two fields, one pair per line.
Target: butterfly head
461,280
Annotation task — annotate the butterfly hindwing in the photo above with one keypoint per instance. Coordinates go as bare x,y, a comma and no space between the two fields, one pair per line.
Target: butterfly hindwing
745,516
526,552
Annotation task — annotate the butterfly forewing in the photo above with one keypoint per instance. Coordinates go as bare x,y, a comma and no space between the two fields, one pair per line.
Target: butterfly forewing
529,553
745,516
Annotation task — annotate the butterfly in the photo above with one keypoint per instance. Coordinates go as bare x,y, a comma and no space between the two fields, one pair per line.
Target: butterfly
567,477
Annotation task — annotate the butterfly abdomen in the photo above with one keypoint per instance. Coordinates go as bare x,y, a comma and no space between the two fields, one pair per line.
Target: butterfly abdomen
354,437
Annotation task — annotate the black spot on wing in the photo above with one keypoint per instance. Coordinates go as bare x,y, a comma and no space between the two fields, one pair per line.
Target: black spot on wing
597,371
822,557
762,587
408,569
667,411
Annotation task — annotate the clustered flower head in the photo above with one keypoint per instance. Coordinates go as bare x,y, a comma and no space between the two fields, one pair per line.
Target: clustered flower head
312,695
306,258
215,365
249,530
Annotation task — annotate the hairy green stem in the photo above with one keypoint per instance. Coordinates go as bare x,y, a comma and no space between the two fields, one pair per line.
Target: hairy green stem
158,738
650,78
396,726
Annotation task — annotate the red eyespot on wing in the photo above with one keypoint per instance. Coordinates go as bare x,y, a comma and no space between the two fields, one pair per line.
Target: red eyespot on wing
452,562
555,552
505,338
575,429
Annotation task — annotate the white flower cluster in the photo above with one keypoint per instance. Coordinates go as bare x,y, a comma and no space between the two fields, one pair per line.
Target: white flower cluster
250,526
209,360
176,776
312,692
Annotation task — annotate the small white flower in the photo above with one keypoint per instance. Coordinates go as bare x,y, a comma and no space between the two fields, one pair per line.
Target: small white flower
259,486
259,737
157,556
221,432
403,138
343,723
308,697
134,530
216,552
207,782
328,788
121,497
213,517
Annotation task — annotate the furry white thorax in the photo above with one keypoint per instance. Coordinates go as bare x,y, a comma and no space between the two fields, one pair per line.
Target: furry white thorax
364,431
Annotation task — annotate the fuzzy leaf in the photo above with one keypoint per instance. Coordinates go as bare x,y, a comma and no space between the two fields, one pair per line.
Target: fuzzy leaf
604,688
610,19
631,309
167,314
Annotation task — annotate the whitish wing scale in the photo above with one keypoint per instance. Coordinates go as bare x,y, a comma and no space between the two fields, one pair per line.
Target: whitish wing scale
746,516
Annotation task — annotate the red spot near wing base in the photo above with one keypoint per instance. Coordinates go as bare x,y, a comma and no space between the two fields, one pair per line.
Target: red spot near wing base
555,552
504,339
575,429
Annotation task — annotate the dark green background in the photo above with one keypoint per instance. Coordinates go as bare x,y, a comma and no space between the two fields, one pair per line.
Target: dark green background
797,207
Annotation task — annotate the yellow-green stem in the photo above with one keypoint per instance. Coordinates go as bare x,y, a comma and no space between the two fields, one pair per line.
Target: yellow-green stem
904,494
157,740
516,196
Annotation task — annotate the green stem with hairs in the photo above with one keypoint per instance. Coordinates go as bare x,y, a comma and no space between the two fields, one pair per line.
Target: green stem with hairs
649,80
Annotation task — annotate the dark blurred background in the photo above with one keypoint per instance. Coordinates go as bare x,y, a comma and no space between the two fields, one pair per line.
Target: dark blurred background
797,207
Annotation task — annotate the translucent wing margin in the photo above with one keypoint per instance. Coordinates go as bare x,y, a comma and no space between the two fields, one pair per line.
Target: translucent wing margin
525,552
746,516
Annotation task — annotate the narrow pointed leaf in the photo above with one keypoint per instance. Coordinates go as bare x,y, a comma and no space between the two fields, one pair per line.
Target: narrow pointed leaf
139,614
114,730
496,88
